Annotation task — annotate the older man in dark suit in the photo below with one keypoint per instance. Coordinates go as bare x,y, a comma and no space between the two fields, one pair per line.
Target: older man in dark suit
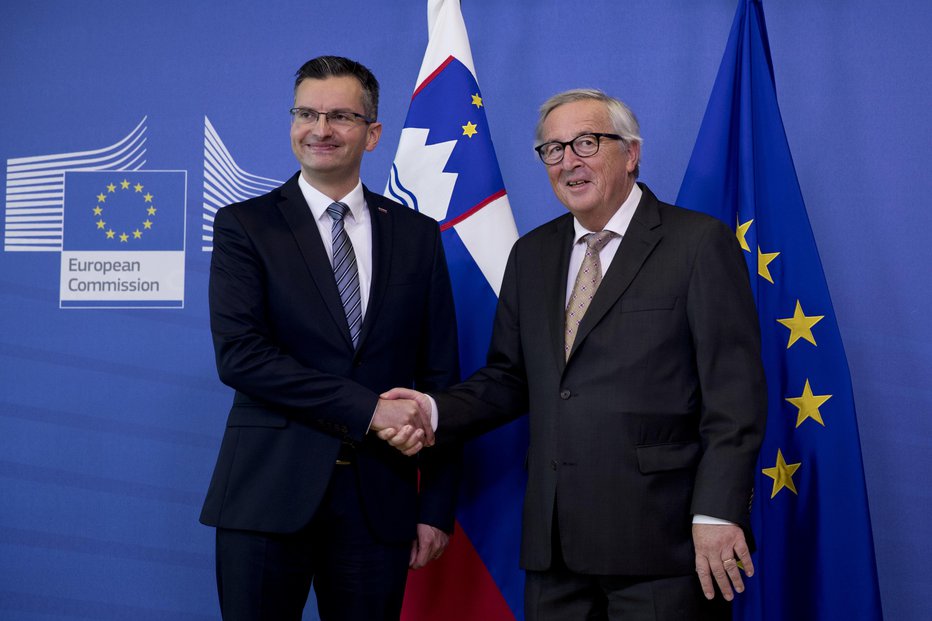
322,296
627,329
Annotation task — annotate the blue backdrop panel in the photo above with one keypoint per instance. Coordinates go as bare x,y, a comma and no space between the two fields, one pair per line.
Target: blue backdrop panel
110,418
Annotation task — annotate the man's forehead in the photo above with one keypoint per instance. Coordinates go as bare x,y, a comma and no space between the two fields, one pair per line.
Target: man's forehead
346,89
574,118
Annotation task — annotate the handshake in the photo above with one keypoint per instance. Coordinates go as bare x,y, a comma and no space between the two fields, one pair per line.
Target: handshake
403,419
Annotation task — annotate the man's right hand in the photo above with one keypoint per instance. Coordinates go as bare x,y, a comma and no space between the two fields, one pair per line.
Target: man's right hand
402,422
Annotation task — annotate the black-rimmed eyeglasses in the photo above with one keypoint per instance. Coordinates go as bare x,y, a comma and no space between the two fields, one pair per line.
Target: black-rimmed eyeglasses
339,118
584,145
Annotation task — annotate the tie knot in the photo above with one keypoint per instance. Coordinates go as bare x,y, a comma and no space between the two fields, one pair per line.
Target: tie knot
597,241
337,210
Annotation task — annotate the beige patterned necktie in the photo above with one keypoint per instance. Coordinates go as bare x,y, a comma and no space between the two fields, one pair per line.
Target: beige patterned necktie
587,281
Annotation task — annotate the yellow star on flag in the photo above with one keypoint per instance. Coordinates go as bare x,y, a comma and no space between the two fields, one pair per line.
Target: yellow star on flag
138,187
110,234
782,475
469,129
137,234
741,231
808,405
148,197
800,325
124,185
111,188
147,224
124,237
476,100
98,211
101,198
151,211
101,224
763,260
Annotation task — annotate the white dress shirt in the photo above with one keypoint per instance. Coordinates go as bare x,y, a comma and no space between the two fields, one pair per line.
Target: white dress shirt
357,223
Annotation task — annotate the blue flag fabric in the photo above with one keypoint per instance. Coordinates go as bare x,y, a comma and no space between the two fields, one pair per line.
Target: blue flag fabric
815,554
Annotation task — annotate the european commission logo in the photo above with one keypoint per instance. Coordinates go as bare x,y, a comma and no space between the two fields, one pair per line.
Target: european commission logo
120,229
123,239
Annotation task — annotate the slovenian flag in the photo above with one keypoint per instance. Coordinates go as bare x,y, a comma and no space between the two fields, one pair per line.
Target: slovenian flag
446,168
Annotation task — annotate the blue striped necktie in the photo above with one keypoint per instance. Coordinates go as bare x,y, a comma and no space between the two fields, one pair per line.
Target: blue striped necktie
344,270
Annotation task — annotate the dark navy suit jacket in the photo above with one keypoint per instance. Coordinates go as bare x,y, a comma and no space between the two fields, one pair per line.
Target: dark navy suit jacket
282,342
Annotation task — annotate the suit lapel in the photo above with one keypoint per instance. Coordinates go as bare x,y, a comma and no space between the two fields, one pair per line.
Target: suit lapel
555,259
298,215
382,247
642,236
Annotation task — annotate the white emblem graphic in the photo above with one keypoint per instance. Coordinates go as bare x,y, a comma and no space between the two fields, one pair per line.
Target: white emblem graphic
225,182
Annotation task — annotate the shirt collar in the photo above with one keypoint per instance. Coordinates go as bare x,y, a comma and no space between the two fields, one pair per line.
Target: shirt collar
318,202
619,222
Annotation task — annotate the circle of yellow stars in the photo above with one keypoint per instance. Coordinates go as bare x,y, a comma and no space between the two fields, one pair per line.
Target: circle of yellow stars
800,326
123,236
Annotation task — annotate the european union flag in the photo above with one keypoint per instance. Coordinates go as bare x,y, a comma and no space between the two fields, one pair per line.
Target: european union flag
815,553
124,210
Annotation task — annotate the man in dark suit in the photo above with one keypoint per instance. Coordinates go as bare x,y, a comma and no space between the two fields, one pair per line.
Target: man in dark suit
322,296
627,330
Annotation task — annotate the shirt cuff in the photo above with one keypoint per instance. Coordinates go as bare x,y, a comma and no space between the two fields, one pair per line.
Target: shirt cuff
434,414
708,519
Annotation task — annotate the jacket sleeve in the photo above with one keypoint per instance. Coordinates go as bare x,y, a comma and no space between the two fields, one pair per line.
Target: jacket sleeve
438,368
726,336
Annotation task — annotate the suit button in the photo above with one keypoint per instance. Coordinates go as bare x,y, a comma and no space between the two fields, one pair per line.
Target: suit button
553,464
565,394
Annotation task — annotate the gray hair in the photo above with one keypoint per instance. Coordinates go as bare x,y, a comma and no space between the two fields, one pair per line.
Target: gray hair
622,118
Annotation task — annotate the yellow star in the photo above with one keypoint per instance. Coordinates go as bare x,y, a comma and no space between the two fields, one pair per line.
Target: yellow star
124,185
808,405
782,475
151,211
124,237
763,260
110,234
741,231
476,100
147,224
800,325
111,188
148,197
101,198
101,224
138,187
98,211
137,234
469,129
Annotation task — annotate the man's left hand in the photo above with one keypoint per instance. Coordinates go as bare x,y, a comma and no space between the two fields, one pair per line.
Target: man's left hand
719,549
429,545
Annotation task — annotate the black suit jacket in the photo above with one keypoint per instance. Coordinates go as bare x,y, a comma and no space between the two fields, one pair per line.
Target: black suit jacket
282,342
658,413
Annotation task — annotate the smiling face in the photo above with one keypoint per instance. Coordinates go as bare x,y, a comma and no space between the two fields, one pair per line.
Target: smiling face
331,156
592,188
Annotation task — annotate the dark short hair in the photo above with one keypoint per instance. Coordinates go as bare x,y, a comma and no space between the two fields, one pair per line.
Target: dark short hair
324,67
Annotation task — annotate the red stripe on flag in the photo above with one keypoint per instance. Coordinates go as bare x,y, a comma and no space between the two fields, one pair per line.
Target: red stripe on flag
455,587
433,75
466,214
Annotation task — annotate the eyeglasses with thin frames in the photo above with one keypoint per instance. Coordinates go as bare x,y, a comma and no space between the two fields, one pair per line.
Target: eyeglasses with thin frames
584,145
337,118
